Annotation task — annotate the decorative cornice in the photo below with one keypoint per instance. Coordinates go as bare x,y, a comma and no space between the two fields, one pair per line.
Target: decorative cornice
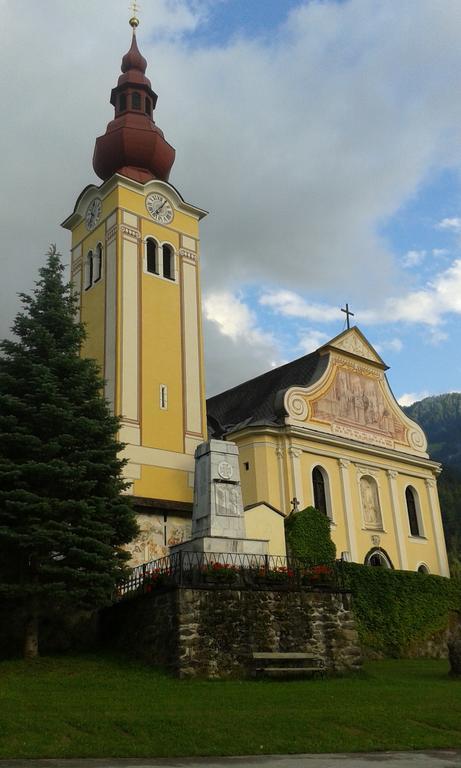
430,482
344,463
361,470
188,255
392,474
130,232
302,433
295,453
111,233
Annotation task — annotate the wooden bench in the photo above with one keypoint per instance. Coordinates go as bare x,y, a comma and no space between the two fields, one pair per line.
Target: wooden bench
285,665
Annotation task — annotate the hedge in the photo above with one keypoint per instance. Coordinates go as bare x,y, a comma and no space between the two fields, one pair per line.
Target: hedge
308,537
396,610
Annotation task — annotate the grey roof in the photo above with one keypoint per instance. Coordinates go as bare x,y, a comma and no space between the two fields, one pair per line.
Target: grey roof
254,401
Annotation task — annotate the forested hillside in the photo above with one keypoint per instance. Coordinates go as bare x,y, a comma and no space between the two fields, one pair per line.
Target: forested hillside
440,417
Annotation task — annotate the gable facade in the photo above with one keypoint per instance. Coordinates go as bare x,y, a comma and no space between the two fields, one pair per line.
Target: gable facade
341,441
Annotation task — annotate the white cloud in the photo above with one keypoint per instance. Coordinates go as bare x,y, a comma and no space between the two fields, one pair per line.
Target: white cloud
395,345
428,305
282,137
311,339
234,318
438,252
413,258
236,349
454,225
412,397
436,336
292,304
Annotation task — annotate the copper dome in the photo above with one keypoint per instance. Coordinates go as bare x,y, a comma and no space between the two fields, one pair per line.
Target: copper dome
132,144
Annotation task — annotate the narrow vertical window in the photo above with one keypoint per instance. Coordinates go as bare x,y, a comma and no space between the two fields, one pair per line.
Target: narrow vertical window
151,256
320,498
89,270
148,107
97,263
413,517
122,102
168,268
136,100
163,397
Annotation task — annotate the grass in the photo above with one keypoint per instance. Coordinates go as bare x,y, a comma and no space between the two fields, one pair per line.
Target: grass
100,706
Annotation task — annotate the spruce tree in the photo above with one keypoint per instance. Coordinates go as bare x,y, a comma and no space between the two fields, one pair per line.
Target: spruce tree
63,515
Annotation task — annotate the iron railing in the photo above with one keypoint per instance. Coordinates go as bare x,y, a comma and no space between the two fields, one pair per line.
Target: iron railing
233,571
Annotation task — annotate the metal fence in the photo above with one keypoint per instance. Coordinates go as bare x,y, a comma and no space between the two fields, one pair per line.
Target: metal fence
231,571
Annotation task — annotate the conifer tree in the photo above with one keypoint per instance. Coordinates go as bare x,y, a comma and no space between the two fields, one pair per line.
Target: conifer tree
63,515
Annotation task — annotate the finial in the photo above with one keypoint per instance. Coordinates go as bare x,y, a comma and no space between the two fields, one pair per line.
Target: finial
134,21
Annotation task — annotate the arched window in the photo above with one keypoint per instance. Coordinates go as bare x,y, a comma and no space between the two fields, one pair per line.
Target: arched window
97,263
89,270
413,511
151,256
136,100
370,502
321,490
122,102
378,558
168,263
422,568
148,106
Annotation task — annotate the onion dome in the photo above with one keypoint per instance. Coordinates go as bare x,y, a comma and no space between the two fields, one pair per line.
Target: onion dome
132,144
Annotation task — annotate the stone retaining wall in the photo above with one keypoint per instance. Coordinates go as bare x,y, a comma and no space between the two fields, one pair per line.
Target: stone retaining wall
213,632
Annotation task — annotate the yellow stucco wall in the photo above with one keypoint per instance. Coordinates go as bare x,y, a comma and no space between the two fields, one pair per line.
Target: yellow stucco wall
286,467
150,315
262,522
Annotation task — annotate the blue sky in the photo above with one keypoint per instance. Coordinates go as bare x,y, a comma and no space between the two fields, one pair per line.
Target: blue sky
324,138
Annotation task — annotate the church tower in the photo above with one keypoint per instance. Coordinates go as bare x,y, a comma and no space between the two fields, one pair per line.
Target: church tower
135,266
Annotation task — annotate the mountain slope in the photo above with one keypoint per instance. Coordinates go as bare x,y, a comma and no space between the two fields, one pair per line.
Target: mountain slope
440,417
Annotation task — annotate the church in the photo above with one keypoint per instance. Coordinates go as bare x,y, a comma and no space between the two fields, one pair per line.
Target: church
324,430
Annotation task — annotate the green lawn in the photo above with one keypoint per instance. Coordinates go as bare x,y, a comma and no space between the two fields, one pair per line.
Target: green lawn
92,706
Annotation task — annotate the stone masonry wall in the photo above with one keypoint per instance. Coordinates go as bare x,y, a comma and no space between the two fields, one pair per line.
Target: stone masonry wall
213,632
220,629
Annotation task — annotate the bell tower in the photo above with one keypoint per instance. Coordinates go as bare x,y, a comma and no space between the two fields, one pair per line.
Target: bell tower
135,266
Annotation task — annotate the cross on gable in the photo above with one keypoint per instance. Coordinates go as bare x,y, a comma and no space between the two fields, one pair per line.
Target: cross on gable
348,314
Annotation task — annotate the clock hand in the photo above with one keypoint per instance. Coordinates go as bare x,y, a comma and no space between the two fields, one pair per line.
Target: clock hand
159,209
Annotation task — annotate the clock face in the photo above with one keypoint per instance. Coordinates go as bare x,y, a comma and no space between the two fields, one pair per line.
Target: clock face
159,208
93,213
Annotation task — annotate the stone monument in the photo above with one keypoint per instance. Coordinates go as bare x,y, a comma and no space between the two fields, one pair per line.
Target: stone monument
218,518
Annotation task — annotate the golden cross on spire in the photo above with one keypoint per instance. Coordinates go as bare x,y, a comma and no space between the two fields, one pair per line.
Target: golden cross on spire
134,8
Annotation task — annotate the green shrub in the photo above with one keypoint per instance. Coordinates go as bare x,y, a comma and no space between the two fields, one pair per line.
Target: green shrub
308,537
395,610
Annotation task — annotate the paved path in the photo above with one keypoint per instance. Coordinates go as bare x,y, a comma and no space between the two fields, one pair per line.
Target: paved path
431,759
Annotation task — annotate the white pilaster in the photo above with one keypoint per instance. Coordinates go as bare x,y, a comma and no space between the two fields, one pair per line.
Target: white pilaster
344,465
129,328
110,320
437,526
191,351
279,452
397,518
296,476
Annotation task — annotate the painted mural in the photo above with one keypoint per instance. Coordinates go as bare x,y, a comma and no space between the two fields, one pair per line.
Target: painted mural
156,536
356,401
